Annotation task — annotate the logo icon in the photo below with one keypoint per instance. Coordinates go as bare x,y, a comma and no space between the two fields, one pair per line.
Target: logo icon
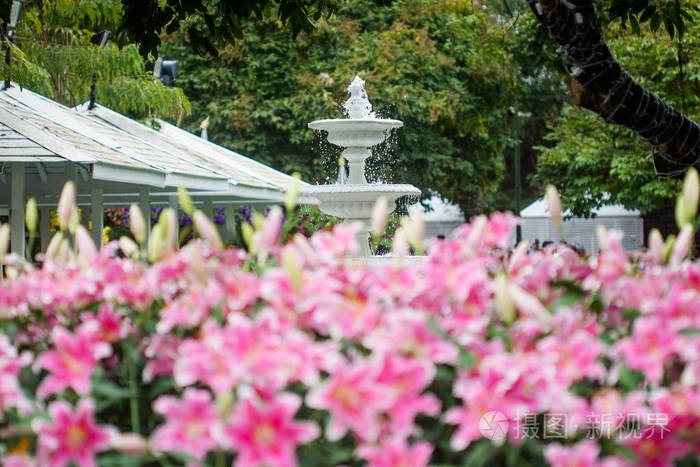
493,425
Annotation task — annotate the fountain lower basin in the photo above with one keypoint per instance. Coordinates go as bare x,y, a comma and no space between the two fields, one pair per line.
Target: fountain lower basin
355,201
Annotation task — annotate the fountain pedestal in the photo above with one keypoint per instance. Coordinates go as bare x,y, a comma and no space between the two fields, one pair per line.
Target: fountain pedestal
354,201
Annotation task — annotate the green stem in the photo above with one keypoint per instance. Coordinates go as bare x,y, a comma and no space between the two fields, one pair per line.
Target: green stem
133,400
30,246
220,458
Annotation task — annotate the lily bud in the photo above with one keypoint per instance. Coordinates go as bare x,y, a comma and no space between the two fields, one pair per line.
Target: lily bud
682,244
130,444
66,205
681,212
137,223
691,192
206,228
74,221
156,242
305,250
519,253
129,247
475,236
54,245
602,234
501,299
528,304
554,205
415,229
65,252
291,262
247,232
169,233
399,247
270,233
224,403
185,200
656,246
31,215
378,220
86,247
4,240
257,220
668,247
292,194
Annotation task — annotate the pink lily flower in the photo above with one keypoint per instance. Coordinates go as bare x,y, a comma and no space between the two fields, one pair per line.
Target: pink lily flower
72,360
72,435
266,434
189,424
396,453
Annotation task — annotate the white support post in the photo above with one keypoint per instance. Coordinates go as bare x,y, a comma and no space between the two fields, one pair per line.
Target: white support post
229,222
44,227
145,205
85,216
17,229
97,215
208,207
72,174
172,202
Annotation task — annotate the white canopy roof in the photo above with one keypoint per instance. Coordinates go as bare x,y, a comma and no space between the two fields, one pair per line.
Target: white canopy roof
538,208
114,161
239,169
110,148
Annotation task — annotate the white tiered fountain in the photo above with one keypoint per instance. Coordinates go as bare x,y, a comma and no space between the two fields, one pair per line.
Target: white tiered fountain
354,200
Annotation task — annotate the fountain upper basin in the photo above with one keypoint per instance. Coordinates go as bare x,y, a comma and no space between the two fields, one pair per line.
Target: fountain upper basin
355,201
356,132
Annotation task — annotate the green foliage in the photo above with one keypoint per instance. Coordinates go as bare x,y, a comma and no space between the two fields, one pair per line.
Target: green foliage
674,15
310,219
53,55
589,157
212,22
440,66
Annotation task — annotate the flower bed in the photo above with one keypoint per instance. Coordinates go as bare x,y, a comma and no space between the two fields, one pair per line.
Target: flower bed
291,355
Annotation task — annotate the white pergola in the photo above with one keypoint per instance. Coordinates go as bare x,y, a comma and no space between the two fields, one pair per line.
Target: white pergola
114,161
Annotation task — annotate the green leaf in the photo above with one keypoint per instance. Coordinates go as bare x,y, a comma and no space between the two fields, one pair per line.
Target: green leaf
607,340
630,379
569,299
625,451
686,15
635,25
120,460
689,331
466,359
631,314
433,326
110,390
655,22
670,27
647,14
341,456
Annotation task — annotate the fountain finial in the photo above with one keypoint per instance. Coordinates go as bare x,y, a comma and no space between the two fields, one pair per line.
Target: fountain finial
358,106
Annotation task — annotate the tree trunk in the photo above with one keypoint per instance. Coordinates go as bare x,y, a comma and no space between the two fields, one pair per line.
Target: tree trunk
600,84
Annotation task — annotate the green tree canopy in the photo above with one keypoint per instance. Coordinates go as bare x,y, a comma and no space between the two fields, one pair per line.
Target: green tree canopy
208,23
52,54
438,65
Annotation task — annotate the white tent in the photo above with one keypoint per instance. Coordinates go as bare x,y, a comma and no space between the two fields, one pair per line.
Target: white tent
581,232
441,217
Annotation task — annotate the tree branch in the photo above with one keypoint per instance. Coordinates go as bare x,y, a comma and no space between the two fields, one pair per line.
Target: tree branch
600,84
